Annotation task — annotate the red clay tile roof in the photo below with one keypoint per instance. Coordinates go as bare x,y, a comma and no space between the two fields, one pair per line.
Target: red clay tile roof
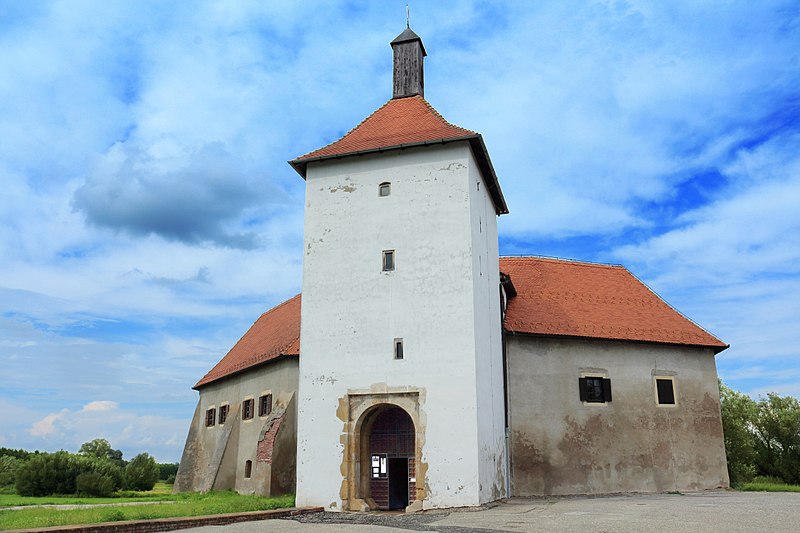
554,297
274,334
403,123
566,298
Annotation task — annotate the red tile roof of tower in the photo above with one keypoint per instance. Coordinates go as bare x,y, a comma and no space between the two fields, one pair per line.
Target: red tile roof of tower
403,123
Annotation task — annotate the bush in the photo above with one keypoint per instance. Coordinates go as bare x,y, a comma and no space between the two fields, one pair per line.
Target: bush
48,473
167,470
8,470
141,473
170,480
94,484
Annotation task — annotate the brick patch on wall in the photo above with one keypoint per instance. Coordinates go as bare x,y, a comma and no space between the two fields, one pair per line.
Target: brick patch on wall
172,524
266,444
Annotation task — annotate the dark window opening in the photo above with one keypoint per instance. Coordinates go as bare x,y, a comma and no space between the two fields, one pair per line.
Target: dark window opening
265,405
248,468
595,389
223,413
398,348
247,409
385,189
210,416
666,391
388,260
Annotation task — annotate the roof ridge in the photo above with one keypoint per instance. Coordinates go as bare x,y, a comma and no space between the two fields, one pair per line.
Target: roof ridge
576,262
440,117
346,134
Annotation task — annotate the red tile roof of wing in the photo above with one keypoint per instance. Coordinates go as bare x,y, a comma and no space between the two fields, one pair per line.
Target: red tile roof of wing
276,333
566,298
399,121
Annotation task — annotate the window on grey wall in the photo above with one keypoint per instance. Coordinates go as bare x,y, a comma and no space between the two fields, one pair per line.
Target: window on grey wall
665,391
210,416
385,189
388,260
248,468
595,389
223,413
247,409
265,405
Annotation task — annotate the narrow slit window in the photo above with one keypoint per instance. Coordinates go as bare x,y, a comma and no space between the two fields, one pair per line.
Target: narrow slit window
388,260
223,413
398,348
248,468
210,417
385,189
665,391
247,409
265,405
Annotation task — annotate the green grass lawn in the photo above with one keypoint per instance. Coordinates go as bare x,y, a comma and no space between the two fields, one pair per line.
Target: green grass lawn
757,486
161,491
186,504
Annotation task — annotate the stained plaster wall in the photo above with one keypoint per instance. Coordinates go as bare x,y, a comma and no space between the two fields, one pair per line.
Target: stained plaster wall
352,312
214,457
560,445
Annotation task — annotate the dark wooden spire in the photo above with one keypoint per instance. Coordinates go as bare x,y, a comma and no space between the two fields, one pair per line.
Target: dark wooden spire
409,55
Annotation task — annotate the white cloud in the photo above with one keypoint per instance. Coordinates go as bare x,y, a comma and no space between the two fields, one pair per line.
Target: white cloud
47,425
100,405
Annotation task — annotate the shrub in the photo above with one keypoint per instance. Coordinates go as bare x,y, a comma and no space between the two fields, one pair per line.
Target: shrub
48,473
8,470
141,473
94,484
170,480
165,470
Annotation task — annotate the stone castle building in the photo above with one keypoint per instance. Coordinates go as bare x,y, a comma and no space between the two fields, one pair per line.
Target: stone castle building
422,370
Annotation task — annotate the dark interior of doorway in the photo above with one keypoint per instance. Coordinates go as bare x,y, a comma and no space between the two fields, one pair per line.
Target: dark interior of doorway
398,483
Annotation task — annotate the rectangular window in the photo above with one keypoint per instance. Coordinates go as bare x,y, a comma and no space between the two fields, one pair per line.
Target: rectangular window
398,348
210,416
388,260
247,409
384,189
595,389
248,468
265,405
665,391
223,413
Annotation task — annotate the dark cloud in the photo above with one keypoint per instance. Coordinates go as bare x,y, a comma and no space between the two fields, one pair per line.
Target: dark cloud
197,199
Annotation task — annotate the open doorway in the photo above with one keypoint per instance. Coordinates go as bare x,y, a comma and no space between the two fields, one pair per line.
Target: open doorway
392,482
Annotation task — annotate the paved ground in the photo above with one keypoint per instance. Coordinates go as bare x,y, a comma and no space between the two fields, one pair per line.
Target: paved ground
728,512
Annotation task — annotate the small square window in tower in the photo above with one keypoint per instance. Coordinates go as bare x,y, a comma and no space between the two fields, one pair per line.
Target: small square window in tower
385,189
665,391
265,405
247,409
595,389
388,260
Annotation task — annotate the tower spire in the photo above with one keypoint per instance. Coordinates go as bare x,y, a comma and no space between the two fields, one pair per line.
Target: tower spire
409,54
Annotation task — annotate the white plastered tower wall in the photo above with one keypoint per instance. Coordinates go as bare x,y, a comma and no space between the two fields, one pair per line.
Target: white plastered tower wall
441,299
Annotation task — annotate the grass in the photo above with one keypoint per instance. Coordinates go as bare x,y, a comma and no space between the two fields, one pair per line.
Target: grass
757,486
185,504
160,492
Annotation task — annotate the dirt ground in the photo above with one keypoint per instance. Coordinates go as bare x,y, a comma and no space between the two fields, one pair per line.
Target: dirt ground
722,511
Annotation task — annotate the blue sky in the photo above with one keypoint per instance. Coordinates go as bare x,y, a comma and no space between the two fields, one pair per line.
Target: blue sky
148,215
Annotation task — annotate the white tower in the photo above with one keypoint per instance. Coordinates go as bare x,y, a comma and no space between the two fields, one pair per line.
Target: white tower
401,399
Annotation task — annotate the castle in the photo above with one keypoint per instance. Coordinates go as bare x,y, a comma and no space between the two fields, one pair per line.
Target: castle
422,370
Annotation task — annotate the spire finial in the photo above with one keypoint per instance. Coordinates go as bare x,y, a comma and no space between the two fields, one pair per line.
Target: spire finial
408,16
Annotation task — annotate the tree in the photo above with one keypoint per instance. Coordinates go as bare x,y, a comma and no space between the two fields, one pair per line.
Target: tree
101,449
141,473
8,470
777,437
48,473
738,413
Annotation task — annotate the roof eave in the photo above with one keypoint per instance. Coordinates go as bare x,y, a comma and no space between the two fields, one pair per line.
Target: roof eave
714,347
200,384
476,143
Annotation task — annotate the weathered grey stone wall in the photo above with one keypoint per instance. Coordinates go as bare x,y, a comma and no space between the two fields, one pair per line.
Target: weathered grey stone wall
215,456
561,445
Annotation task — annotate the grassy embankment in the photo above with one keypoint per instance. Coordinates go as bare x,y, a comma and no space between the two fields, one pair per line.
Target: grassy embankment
760,486
187,504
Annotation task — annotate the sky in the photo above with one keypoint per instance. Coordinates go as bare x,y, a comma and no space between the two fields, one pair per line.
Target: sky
148,215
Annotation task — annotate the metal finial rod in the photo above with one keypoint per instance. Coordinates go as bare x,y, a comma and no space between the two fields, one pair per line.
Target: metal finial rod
408,17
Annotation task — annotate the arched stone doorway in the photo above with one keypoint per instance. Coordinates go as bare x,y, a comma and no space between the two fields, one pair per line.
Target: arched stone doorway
388,451
399,425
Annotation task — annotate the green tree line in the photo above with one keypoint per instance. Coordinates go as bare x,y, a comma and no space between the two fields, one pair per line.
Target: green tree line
96,470
762,437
